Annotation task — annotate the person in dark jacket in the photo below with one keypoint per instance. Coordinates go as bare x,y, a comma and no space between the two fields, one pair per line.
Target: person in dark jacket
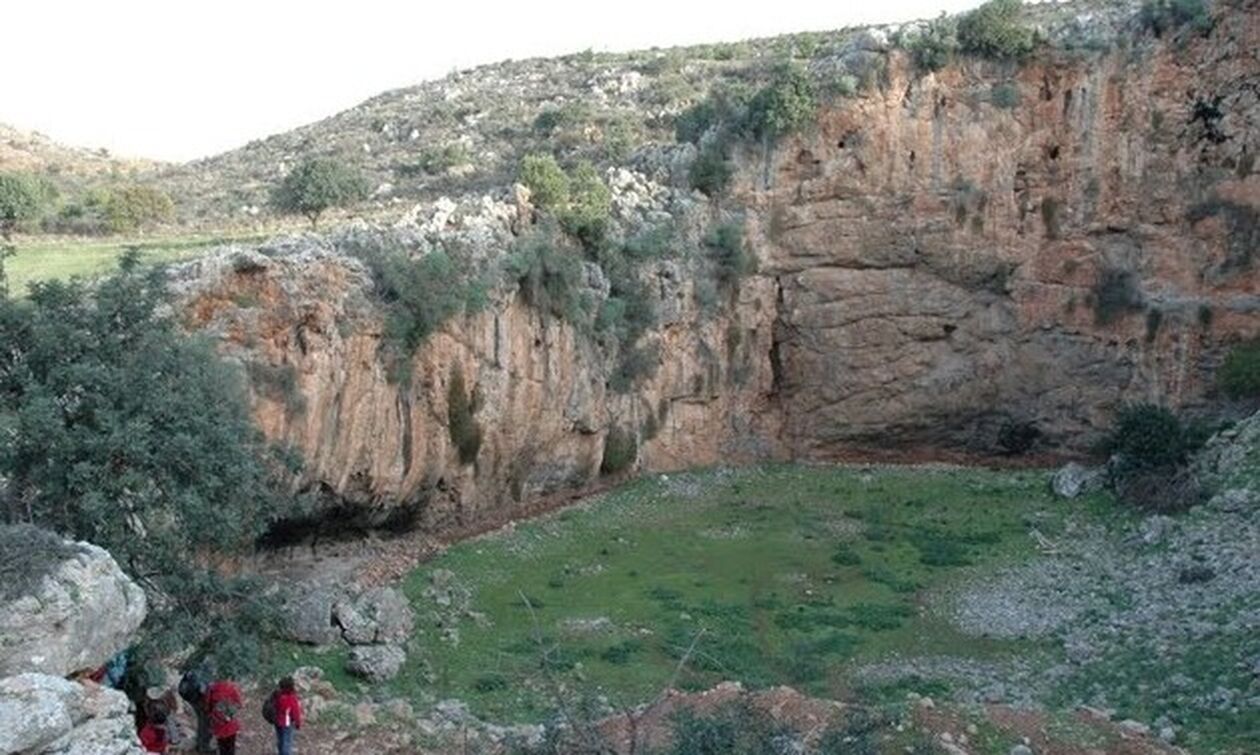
192,687
288,715
223,705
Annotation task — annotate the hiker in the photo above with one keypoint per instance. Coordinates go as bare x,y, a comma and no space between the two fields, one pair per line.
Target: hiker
223,705
192,687
284,711
154,735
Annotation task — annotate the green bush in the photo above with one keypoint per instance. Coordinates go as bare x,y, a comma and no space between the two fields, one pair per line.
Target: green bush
1147,436
547,182
733,729
1163,16
461,422
730,254
587,212
1239,376
784,106
1005,96
711,171
123,431
994,30
436,161
128,208
21,200
1115,293
549,275
934,46
316,185
693,123
621,449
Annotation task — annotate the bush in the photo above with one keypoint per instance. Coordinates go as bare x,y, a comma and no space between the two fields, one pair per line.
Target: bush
550,275
21,200
123,431
1115,293
587,213
128,208
1239,376
621,449
733,729
547,182
933,47
1005,96
317,184
782,107
1147,436
994,30
460,408
436,161
727,248
711,171
1163,16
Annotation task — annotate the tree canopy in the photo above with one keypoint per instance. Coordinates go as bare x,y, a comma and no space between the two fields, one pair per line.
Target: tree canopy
317,184
21,199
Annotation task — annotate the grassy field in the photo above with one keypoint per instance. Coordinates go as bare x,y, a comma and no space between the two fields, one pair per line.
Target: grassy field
42,259
777,575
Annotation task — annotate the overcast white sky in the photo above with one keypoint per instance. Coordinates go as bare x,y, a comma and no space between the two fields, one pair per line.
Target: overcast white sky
179,79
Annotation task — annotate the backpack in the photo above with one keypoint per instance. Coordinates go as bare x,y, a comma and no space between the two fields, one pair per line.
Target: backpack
269,707
191,687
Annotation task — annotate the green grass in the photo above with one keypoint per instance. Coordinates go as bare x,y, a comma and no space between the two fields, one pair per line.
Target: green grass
745,561
44,259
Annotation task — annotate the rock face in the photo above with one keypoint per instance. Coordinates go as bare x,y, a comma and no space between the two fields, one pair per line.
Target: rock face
939,275
1230,462
78,611
47,715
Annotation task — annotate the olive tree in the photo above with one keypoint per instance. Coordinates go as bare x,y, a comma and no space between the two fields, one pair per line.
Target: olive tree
317,184
21,198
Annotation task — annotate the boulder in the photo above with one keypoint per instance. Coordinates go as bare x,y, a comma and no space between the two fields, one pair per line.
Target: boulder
64,606
1075,480
381,615
376,663
306,616
1231,459
48,715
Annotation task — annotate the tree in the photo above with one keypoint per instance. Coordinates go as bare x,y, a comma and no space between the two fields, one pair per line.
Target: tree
782,107
994,30
127,208
317,184
117,428
21,199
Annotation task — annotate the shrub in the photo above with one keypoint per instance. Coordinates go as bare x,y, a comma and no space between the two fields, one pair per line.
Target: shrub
934,46
122,430
587,212
733,729
1115,293
128,208
1162,16
460,408
550,275
994,30
547,182
21,200
726,246
711,171
437,160
621,449
1239,376
1005,96
1147,436
693,123
783,106
317,184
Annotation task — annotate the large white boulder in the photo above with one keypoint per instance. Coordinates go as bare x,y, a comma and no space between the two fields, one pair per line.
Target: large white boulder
48,715
64,607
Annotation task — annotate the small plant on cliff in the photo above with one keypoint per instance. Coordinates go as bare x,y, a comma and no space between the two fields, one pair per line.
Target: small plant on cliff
586,215
316,185
784,106
994,30
933,47
547,182
1005,96
620,451
460,411
730,254
711,171
549,275
1239,376
1163,16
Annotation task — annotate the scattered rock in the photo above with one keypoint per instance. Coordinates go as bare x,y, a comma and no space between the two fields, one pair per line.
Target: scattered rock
1134,727
1075,480
49,715
376,663
1021,750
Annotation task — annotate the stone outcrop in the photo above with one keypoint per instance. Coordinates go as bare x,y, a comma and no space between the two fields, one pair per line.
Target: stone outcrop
942,273
48,715
78,610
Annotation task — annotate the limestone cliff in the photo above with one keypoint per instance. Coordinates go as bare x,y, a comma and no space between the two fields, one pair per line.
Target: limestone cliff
943,270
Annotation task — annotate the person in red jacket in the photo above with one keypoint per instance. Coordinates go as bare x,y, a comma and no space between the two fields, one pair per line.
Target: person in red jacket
223,706
288,715
153,735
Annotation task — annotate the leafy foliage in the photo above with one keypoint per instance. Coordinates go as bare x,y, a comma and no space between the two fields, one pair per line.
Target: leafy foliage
994,30
21,199
728,250
586,215
316,185
1163,16
711,171
1239,376
547,182
549,275
933,47
127,208
1147,436
121,430
783,106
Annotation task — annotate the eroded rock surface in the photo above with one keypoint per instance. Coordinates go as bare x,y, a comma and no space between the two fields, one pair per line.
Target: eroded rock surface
47,715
